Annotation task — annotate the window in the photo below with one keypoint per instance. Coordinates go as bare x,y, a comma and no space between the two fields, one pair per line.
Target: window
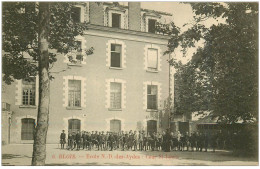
74,125
152,97
74,93
152,59
151,25
115,55
115,95
28,91
151,126
28,126
116,20
75,14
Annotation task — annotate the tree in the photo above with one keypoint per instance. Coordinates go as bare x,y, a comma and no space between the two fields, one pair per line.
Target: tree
192,90
228,60
32,29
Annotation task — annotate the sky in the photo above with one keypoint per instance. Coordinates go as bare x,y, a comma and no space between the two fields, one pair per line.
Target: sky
182,13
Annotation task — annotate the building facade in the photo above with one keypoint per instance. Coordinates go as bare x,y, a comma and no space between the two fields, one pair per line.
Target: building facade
122,86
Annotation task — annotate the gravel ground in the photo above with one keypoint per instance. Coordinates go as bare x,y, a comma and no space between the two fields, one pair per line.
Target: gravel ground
20,154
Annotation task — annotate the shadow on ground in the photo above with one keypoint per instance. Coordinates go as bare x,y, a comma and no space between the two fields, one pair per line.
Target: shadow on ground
219,156
11,156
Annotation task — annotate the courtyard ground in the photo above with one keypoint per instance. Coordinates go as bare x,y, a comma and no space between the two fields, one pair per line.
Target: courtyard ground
20,154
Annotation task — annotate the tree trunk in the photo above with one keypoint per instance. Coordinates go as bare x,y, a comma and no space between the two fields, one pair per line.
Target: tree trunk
39,146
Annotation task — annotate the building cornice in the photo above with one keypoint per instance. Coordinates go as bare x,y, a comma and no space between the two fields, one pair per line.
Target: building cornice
128,32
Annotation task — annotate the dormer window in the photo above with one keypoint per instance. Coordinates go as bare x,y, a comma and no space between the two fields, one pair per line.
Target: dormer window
76,14
116,17
149,22
116,20
151,25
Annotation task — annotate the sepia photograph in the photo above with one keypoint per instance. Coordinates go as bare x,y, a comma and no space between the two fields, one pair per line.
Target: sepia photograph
138,83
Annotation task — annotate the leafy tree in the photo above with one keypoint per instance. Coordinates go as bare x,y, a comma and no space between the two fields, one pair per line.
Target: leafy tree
38,31
192,90
228,60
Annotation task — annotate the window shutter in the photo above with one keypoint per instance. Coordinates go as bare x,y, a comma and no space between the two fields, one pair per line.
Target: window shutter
152,58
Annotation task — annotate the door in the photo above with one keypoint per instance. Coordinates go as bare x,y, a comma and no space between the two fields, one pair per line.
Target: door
151,126
172,126
115,125
74,125
183,127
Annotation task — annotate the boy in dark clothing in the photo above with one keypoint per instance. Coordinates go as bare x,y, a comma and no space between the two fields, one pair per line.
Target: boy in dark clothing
78,138
62,139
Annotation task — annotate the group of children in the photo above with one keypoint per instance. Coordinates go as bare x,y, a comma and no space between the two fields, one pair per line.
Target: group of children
133,140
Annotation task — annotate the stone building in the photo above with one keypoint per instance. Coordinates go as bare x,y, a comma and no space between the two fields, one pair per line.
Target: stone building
122,86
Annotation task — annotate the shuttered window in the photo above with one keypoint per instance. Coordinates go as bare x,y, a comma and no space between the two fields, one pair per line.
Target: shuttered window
152,59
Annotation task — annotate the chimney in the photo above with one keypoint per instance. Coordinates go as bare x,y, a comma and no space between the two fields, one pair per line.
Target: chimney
134,16
96,14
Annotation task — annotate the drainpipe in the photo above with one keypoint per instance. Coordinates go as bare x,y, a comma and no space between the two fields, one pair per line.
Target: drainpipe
169,99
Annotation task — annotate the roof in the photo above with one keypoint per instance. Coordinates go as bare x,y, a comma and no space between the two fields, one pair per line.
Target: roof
205,118
142,9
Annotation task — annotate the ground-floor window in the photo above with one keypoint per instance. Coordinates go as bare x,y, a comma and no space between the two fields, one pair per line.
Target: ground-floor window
28,126
151,126
74,125
115,125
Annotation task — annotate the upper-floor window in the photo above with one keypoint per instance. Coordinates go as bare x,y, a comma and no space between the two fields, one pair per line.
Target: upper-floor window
151,25
116,20
28,91
152,59
115,55
79,56
74,93
152,97
115,95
